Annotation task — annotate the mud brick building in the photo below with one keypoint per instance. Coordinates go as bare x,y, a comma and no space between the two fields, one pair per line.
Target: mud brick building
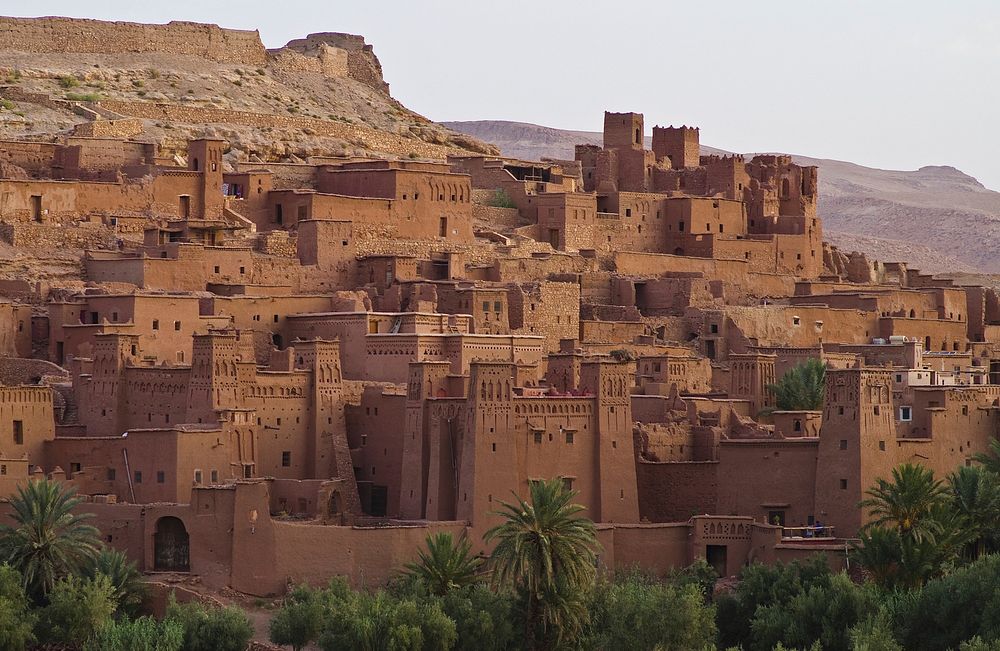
317,363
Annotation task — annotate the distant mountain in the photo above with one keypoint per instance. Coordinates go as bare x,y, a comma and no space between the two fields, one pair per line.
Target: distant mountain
936,218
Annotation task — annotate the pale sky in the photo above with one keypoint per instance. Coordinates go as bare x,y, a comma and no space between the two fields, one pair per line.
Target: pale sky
895,84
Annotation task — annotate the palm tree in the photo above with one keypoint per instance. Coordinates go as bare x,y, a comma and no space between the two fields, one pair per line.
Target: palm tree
125,579
547,551
800,388
48,541
990,460
906,503
445,565
975,496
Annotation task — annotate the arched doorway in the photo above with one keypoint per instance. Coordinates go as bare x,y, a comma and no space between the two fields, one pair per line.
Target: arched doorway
335,507
171,546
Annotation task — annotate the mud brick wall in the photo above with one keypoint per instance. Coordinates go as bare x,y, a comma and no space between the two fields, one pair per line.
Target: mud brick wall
52,34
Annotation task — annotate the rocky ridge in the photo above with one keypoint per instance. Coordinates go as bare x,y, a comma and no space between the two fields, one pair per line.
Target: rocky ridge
323,94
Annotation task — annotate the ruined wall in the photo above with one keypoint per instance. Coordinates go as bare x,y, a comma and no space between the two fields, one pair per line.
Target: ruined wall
362,64
54,35
127,128
367,137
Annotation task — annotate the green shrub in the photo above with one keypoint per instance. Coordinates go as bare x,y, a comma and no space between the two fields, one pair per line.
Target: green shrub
484,619
83,97
210,628
952,609
16,618
501,199
67,81
382,621
300,619
6,104
762,586
639,612
142,634
77,609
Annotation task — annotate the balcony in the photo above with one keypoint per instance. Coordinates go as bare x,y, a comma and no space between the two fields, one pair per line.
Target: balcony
820,534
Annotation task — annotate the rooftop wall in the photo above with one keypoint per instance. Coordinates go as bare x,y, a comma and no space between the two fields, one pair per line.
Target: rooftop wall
54,34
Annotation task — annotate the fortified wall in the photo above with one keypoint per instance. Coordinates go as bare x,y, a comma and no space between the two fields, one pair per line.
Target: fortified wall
347,52
56,35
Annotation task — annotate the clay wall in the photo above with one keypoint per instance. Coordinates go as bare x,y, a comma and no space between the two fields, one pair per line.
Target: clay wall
265,315
550,309
27,421
58,35
150,397
375,437
759,477
655,548
358,58
524,269
35,158
164,463
678,145
674,491
936,334
164,324
15,329
611,331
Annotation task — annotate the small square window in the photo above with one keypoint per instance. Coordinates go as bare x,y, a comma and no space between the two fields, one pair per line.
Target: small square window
714,328
881,445
840,411
876,410
112,474
161,477
138,476
177,325
843,444
843,484
569,437
215,476
156,324
216,268
905,413
538,437
286,458
197,476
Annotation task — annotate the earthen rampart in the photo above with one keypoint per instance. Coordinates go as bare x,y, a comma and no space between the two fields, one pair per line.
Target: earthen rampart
56,35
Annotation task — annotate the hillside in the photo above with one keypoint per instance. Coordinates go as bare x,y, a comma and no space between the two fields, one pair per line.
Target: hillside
323,94
925,217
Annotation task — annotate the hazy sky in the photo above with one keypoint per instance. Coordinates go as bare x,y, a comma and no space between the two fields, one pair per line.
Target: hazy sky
888,83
